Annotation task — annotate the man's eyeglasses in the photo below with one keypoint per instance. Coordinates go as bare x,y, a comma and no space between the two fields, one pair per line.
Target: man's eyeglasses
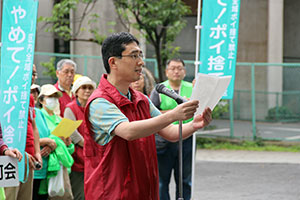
133,56
35,74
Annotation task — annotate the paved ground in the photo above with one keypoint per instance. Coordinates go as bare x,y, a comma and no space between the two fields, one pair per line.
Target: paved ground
266,130
246,175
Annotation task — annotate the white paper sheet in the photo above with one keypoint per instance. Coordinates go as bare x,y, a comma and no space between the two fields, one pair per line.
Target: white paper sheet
208,90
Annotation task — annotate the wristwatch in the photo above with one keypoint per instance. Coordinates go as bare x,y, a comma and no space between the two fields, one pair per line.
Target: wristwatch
4,151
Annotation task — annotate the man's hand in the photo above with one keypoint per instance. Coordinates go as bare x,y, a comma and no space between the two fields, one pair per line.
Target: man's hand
184,111
203,120
15,153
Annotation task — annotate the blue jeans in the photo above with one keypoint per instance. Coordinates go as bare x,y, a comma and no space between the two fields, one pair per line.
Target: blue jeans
167,161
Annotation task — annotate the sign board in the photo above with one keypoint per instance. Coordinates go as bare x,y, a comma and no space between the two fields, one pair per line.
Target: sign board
219,37
9,176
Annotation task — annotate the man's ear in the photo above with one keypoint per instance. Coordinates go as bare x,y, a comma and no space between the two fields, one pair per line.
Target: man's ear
57,72
166,72
112,61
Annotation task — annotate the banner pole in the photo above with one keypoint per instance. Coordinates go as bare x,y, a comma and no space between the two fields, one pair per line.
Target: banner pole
180,187
197,27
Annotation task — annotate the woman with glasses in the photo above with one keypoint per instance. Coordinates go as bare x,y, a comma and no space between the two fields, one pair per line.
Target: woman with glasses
82,89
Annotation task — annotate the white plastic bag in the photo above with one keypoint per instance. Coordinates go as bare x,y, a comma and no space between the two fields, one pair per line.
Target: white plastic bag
56,184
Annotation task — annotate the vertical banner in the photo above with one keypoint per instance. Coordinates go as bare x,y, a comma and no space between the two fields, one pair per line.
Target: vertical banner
219,39
17,51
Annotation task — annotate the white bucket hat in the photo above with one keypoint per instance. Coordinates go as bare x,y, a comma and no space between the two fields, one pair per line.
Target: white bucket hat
35,86
48,90
83,80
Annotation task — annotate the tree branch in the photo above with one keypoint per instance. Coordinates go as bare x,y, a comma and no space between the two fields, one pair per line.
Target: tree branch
84,14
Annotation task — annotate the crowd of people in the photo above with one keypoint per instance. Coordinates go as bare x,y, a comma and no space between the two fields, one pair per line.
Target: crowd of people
112,154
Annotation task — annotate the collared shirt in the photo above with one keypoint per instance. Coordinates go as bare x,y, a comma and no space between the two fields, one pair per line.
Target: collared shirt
66,91
63,101
105,116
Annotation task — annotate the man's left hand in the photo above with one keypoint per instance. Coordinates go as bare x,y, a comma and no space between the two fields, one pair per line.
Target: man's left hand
200,121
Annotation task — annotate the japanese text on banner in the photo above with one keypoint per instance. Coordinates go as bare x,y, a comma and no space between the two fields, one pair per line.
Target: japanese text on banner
18,38
219,36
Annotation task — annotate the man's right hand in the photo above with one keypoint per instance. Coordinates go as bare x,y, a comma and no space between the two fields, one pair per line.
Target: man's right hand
185,110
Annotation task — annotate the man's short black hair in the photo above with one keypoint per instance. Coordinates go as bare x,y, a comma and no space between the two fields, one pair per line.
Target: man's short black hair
176,60
114,45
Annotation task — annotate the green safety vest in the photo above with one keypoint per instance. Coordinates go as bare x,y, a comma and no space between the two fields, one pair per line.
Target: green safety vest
167,103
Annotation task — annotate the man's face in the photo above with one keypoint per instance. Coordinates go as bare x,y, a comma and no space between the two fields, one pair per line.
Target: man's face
175,71
129,66
66,75
34,74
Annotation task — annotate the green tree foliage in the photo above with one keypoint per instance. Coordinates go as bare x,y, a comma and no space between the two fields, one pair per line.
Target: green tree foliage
279,113
159,21
59,22
221,108
50,68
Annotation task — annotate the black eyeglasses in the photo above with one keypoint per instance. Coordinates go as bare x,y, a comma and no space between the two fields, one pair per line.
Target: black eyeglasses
133,56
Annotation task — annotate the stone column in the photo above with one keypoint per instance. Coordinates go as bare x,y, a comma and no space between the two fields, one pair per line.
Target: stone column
275,50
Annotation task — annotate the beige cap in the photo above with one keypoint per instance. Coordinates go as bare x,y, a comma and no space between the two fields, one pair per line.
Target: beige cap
35,86
48,90
83,80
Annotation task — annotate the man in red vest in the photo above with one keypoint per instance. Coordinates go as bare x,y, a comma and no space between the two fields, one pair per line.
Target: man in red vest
120,152
65,72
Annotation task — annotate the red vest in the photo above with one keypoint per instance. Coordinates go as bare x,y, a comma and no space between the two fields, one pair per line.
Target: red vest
121,169
78,111
64,100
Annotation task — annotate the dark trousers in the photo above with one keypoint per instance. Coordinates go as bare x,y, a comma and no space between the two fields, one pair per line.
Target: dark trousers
36,187
77,183
168,161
